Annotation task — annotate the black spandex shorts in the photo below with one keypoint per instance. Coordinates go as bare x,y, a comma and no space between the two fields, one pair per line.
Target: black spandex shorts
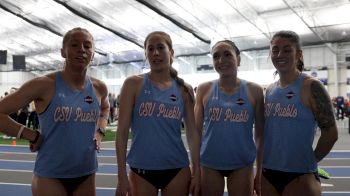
158,178
225,173
70,184
279,179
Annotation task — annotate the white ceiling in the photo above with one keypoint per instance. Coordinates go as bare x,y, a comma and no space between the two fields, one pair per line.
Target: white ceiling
35,27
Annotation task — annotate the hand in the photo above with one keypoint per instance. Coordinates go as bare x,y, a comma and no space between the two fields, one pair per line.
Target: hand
123,187
257,185
195,184
98,138
35,146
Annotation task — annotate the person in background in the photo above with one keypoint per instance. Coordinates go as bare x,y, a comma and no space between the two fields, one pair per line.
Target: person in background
33,120
226,110
14,114
116,112
294,105
73,111
340,107
153,105
23,115
111,99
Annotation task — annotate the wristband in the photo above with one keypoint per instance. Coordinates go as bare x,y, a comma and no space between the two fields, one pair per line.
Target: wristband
19,134
36,137
102,131
103,117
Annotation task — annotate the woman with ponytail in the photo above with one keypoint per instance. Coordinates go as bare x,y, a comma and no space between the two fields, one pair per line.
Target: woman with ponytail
294,106
154,105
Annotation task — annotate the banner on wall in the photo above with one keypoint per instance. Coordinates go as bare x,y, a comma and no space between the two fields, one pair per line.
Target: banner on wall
322,75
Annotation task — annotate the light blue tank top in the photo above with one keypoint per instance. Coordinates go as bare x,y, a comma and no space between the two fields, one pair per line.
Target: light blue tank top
289,130
156,129
227,142
68,127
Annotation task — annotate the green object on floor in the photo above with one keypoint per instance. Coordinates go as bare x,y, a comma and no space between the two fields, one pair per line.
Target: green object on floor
323,174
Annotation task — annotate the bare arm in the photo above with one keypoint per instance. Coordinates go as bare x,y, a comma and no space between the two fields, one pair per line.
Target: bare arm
102,121
202,95
259,125
323,111
38,89
124,120
198,111
193,139
191,133
102,93
127,96
256,96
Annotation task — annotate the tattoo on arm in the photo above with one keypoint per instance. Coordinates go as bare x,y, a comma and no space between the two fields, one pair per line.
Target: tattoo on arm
324,110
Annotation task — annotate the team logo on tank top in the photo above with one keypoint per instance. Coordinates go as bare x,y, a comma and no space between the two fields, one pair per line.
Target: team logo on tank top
290,94
240,101
88,100
173,97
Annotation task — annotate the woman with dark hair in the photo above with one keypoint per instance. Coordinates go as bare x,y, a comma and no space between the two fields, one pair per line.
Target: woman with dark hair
226,110
294,106
153,105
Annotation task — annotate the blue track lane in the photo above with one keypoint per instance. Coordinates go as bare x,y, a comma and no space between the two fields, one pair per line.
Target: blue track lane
25,189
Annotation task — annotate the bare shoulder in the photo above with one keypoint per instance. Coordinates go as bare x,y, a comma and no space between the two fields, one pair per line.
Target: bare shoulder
99,86
311,81
40,84
254,88
40,89
203,92
255,93
97,82
205,87
188,86
134,81
49,78
132,85
312,88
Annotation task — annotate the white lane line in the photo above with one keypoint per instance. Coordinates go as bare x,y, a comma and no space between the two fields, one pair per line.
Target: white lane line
23,184
15,160
335,192
340,177
34,154
326,185
17,184
31,171
14,170
336,159
31,153
31,161
330,166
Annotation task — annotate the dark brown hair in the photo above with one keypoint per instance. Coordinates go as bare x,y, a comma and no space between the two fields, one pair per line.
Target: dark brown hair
231,43
173,72
294,39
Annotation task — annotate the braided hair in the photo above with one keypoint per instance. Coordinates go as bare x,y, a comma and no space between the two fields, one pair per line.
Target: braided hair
173,72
